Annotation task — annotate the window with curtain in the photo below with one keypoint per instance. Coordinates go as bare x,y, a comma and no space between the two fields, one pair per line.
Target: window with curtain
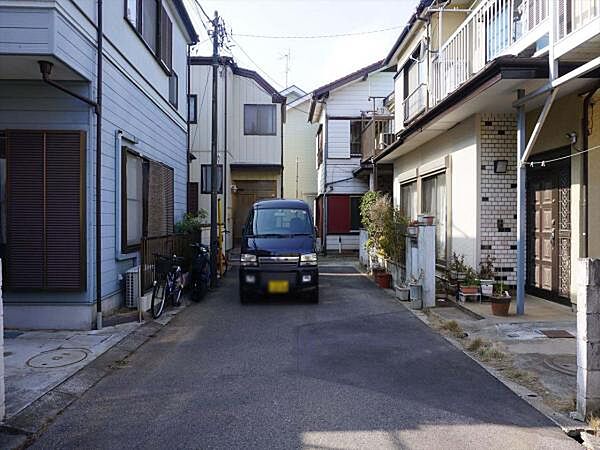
355,138
206,183
134,195
260,120
408,199
433,191
192,108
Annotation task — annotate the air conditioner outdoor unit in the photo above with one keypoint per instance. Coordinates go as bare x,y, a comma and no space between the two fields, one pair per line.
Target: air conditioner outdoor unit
132,287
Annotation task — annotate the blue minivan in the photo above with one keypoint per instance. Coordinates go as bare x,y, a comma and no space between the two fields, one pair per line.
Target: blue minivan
278,254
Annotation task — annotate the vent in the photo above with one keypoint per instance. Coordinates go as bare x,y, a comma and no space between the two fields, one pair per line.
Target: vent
132,287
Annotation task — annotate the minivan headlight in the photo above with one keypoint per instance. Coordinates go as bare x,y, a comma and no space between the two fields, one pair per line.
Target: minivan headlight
308,259
247,259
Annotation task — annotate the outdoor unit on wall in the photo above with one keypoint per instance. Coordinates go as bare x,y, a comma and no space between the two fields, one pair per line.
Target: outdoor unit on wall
132,287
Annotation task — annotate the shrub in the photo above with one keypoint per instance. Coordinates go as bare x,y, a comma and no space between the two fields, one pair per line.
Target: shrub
192,223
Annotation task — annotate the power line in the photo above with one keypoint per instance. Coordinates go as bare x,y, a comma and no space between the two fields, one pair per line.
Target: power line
560,158
318,36
256,65
203,12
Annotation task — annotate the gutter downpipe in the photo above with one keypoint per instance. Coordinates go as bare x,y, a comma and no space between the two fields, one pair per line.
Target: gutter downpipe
225,150
521,199
189,149
99,171
325,155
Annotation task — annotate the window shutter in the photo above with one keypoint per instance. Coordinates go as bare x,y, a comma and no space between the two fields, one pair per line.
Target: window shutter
168,181
24,267
64,211
338,214
46,232
166,39
192,198
156,201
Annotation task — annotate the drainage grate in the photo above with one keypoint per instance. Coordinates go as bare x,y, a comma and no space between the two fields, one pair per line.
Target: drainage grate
557,334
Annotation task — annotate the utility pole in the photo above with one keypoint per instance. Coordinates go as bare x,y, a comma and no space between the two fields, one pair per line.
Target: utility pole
296,176
217,33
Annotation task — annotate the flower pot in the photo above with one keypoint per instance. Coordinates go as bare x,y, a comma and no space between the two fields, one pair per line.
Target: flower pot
413,231
425,219
382,278
469,290
500,305
416,303
402,293
415,291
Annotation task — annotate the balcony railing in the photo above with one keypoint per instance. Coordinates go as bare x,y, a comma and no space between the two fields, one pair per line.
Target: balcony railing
377,134
415,103
575,14
489,30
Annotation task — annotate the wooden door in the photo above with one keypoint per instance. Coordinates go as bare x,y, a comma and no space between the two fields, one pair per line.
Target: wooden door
549,227
247,193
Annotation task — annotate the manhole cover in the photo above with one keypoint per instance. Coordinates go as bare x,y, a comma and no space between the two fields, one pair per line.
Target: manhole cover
60,357
563,364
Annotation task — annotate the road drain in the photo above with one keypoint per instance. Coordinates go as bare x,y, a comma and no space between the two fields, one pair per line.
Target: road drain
59,357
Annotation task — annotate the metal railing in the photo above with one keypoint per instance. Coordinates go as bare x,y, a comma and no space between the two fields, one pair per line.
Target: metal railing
376,135
176,244
489,30
415,103
573,15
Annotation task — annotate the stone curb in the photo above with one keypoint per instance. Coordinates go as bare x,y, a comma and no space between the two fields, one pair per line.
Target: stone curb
569,426
21,430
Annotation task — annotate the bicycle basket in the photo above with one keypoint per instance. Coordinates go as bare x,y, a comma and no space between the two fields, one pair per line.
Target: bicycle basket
162,264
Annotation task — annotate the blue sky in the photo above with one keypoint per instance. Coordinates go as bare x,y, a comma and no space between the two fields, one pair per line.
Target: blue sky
313,62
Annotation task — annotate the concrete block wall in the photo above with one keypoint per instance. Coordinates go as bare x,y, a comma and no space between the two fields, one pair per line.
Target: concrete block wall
498,194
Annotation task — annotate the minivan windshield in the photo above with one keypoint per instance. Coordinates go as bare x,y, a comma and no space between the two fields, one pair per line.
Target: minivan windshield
281,222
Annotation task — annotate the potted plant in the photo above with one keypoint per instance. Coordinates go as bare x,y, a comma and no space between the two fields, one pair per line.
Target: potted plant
500,300
470,283
416,289
457,268
486,276
402,292
382,278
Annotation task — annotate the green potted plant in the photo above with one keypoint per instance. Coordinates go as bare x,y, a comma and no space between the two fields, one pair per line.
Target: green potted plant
457,268
470,283
486,276
382,278
500,300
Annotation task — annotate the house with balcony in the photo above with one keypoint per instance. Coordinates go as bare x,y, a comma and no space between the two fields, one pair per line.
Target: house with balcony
493,101
75,209
250,117
340,110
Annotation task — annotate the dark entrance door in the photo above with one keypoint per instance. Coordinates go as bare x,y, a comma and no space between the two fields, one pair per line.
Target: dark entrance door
247,193
549,232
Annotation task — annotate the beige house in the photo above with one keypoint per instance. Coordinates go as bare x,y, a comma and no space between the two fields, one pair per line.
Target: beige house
250,141
460,137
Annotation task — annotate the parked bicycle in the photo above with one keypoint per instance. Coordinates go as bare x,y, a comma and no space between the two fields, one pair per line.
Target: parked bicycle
200,274
168,283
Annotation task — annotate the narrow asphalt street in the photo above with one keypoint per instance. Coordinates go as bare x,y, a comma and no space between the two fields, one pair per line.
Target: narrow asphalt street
356,371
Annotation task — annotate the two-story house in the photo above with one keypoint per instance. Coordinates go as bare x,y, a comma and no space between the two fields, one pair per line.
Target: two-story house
485,91
340,109
250,141
74,209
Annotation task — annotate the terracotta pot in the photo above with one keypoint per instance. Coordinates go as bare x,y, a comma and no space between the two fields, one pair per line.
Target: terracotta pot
469,290
500,306
383,279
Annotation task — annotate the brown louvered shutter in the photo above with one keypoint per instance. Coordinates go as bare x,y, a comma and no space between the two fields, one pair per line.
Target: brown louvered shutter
24,266
166,39
64,210
192,198
168,181
45,210
156,206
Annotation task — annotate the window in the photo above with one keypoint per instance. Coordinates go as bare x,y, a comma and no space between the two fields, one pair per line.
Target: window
408,199
355,220
355,138
173,89
280,221
152,23
192,198
320,146
433,191
205,174
260,120
147,200
193,108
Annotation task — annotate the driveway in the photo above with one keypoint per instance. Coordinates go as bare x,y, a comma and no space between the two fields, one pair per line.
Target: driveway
356,371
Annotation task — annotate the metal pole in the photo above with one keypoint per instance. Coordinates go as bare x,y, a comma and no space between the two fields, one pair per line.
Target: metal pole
521,206
213,157
99,172
296,177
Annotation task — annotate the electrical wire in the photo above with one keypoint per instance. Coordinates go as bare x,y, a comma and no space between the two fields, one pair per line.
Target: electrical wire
203,12
200,107
318,36
560,158
256,65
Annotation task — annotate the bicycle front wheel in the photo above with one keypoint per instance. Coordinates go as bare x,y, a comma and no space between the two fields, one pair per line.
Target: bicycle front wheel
158,299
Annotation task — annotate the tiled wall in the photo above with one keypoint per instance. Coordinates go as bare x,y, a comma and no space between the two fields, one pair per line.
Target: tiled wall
499,194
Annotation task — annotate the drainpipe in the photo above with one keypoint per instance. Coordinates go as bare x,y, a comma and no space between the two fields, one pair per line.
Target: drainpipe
225,188
189,150
521,205
99,172
585,136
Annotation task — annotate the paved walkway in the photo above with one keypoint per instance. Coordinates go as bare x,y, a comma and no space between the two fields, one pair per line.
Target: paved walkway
356,371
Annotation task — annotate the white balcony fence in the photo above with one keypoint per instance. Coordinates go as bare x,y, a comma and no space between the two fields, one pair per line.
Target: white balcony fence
416,102
573,15
491,28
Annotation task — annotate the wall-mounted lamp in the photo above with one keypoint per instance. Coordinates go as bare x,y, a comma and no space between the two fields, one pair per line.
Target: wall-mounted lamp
500,166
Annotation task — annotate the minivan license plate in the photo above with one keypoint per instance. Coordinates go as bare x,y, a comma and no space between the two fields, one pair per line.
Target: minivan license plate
278,286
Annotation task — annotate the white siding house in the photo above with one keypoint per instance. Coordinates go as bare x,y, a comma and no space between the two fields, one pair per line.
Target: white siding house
51,267
339,109
250,138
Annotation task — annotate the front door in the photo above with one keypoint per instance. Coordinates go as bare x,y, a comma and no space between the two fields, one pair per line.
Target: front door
549,243
247,193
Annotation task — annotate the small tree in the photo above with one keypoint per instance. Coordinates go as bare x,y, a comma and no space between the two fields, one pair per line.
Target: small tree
192,223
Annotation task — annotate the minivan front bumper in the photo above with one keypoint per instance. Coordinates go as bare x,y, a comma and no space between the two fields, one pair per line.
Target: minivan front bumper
256,279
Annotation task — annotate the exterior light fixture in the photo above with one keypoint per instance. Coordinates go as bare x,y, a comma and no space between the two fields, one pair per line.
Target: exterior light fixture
500,166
